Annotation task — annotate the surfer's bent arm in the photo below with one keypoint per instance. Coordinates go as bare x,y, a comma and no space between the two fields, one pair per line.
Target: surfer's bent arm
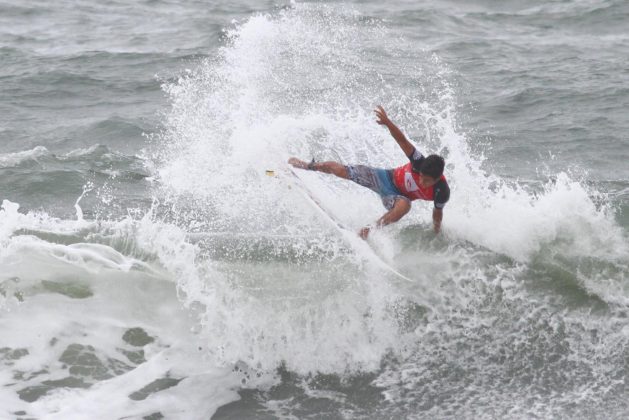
397,134
437,217
400,208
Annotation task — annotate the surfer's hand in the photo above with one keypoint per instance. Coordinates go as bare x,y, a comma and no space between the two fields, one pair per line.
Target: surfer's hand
383,119
364,232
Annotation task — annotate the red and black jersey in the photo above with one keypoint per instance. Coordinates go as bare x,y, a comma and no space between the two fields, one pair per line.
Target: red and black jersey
407,180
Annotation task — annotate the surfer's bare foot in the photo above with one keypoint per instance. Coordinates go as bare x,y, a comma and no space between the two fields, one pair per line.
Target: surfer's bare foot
297,163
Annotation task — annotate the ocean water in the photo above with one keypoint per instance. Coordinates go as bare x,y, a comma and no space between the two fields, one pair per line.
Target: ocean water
150,268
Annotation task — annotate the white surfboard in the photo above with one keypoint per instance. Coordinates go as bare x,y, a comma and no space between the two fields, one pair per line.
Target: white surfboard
357,243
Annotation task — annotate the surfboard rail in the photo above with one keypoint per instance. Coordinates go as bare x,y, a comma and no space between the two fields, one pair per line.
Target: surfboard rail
357,243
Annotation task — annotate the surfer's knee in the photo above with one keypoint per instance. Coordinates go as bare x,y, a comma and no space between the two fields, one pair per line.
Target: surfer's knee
341,171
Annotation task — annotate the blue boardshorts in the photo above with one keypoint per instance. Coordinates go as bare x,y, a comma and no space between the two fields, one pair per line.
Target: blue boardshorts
378,180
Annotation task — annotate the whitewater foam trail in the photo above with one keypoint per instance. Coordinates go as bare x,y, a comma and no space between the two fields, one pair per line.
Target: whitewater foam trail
301,82
230,267
111,330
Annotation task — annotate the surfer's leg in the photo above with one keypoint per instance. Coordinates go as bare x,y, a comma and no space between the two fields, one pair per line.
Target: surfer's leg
365,176
333,168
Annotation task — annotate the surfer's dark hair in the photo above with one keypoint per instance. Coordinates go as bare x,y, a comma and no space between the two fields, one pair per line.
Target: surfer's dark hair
433,166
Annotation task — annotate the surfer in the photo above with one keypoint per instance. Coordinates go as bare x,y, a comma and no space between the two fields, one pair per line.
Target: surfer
420,179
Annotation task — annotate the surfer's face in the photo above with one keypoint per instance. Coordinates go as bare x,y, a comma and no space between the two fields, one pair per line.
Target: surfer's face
427,181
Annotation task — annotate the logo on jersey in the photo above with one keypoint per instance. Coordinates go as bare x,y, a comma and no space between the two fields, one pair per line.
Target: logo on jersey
409,182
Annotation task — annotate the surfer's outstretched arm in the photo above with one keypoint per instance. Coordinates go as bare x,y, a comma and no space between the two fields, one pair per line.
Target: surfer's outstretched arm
437,216
400,208
406,146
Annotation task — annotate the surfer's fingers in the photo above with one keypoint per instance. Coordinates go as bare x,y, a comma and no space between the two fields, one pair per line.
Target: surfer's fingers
382,116
380,112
